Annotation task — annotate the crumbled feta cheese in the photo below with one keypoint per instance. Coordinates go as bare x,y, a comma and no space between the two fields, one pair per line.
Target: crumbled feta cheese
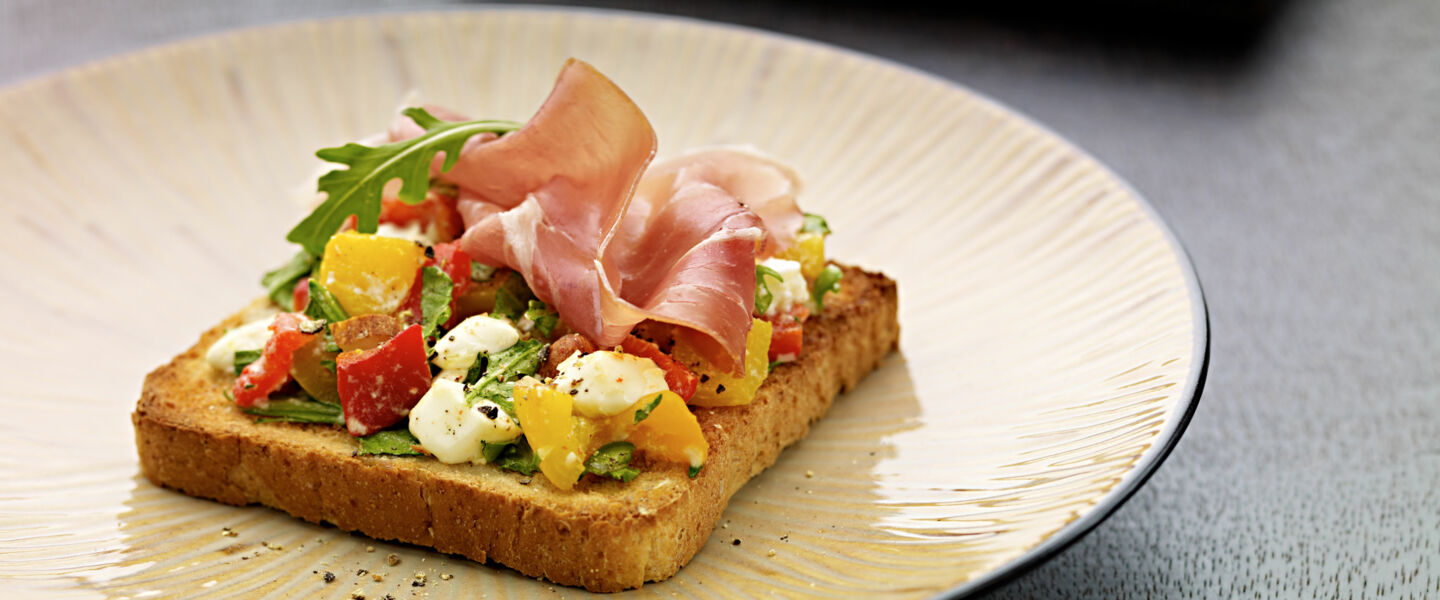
250,336
456,375
425,236
788,292
452,430
606,383
460,346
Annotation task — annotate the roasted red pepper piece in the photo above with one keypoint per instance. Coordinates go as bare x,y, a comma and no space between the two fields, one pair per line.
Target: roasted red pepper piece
788,334
272,369
302,295
680,379
378,387
786,340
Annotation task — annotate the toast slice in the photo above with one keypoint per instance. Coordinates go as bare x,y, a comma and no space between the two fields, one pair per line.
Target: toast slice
604,535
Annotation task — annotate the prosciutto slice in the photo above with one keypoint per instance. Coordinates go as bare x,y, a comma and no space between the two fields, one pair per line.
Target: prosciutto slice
764,185
563,202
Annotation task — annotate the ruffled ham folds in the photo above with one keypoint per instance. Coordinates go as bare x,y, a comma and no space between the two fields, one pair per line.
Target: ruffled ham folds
762,184
563,202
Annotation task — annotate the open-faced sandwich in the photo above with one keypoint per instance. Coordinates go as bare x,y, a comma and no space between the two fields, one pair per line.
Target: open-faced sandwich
526,344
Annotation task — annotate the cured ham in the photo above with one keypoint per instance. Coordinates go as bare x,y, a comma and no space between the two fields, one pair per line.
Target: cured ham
764,185
562,201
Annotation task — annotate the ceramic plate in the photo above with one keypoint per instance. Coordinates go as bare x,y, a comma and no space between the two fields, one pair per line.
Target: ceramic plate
1054,337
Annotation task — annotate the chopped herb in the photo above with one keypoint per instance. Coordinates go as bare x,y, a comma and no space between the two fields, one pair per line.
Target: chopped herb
435,291
613,460
827,281
773,364
477,370
297,410
327,342
356,190
763,295
323,304
481,273
514,456
329,365
395,442
491,452
544,318
511,297
645,411
243,358
280,283
504,368
815,224
695,471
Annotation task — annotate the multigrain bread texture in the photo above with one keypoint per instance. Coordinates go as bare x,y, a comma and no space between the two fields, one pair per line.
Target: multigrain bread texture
604,536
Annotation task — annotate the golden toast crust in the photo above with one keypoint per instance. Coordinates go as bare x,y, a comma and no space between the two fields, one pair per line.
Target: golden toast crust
604,536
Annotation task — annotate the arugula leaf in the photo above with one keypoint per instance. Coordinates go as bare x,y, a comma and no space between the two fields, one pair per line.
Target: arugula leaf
477,370
512,456
394,442
481,273
491,451
356,190
763,295
297,410
280,283
613,460
435,291
323,304
544,318
645,411
511,297
815,224
827,281
505,367
243,358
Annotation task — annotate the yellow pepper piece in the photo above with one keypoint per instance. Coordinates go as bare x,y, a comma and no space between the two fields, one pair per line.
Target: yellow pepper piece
561,440
544,413
369,273
719,388
809,251
671,432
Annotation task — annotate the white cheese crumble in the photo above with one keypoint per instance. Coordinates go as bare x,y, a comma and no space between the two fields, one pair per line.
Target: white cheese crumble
425,236
606,383
458,349
250,336
452,430
787,292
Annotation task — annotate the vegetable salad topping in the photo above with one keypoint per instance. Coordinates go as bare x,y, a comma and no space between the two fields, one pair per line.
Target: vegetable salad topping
416,348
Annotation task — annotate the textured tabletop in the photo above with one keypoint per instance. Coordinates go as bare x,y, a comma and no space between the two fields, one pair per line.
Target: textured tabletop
1300,165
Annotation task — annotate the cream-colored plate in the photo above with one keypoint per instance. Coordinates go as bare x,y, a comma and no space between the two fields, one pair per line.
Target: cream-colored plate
1053,347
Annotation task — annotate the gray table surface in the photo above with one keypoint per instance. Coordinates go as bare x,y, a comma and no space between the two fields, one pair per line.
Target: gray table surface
1302,174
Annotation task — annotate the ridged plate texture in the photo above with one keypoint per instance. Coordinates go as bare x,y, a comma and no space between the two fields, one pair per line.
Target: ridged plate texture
1053,334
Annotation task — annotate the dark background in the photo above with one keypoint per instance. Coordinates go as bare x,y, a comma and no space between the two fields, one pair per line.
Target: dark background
1293,147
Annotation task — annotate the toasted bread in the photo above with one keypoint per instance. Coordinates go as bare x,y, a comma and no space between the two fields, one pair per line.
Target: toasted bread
604,535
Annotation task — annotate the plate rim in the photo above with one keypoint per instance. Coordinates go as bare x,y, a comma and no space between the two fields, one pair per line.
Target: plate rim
1061,539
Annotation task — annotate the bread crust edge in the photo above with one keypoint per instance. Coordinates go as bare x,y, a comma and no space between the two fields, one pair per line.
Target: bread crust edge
605,536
